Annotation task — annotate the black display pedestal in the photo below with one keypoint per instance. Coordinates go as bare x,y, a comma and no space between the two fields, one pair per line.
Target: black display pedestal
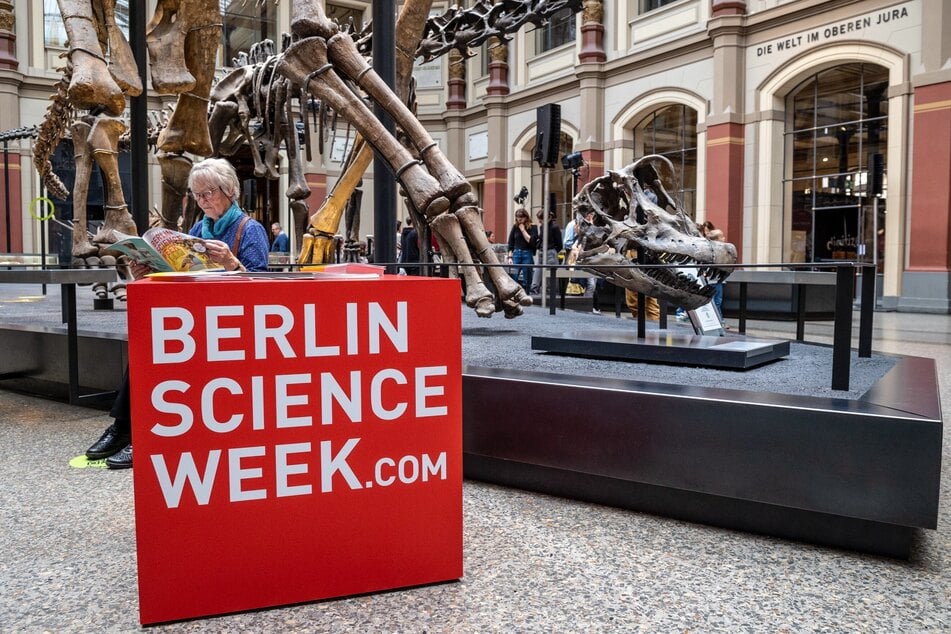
664,346
860,474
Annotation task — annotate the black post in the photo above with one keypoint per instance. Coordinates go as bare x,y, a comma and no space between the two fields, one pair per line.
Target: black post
641,316
741,327
842,328
384,184
866,310
138,120
552,288
800,291
6,190
72,340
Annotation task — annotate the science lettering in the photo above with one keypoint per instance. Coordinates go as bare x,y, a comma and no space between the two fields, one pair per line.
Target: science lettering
271,405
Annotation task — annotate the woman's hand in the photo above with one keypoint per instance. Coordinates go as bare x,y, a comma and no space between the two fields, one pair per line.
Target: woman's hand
220,253
138,270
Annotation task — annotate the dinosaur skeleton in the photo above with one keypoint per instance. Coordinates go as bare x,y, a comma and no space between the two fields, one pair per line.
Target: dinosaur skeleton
322,61
456,28
318,59
627,221
183,39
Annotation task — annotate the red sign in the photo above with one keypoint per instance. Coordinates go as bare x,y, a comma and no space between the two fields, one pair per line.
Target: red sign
294,440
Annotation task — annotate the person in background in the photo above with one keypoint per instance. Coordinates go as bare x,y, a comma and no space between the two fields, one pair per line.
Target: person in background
555,244
651,306
717,236
522,243
572,250
281,243
409,248
232,239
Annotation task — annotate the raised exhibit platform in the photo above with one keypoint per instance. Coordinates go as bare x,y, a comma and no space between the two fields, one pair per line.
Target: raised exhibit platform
857,474
772,449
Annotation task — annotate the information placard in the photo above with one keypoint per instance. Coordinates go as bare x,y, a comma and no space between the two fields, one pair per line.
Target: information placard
294,440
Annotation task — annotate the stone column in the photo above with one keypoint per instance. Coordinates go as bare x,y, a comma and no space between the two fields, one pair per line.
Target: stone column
725,130
592,33
591,126
457,81
498,68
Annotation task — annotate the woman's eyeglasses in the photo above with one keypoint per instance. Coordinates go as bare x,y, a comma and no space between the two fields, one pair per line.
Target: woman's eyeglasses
203,196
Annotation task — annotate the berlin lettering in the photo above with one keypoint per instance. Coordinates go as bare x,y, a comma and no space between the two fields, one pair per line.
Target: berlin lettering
842,29
269,402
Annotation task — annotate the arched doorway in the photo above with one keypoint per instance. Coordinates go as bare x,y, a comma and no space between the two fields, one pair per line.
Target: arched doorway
560,184
836,164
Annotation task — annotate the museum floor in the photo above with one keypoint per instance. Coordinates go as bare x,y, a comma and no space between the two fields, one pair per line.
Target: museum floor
532,563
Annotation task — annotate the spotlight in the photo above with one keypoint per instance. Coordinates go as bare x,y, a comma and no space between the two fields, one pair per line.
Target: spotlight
572,161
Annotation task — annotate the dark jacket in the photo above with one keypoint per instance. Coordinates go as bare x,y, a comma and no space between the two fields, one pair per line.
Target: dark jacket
517,240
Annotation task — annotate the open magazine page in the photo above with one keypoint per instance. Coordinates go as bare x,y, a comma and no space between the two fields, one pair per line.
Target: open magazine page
181,251
138,250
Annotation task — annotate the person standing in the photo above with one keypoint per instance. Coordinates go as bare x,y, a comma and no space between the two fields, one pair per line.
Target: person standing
281,243
522,244
232,239
409,248
717,236
555,244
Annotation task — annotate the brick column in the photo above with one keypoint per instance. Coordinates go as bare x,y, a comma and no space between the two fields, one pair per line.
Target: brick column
8,39
17,209
593,167
725,131
930,227
498,68
495,188
495,205
721,8
592,33
725,180
11,235
317,182
457,81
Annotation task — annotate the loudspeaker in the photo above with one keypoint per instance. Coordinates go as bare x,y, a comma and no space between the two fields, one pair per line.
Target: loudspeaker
876,173
547,135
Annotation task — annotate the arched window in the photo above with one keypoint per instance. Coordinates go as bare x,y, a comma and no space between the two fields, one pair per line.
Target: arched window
246,23
672,132
836,140
54,33
559,30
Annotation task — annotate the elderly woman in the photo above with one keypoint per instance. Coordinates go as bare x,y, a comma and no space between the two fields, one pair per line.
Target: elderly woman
226,231
232,238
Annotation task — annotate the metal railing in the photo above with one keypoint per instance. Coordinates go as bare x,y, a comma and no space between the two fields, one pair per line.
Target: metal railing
845,276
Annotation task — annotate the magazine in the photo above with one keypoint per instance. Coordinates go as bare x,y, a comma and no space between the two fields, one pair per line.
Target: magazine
165,251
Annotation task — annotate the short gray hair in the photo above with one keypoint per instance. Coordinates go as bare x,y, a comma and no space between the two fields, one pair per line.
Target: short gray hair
218,171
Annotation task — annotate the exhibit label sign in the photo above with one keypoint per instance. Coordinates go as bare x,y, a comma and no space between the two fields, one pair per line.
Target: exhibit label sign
295,439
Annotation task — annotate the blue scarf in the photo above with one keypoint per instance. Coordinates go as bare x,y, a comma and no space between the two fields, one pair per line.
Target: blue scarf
211,229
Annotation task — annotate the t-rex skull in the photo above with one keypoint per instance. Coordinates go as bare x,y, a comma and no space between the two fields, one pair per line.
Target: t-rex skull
635,221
